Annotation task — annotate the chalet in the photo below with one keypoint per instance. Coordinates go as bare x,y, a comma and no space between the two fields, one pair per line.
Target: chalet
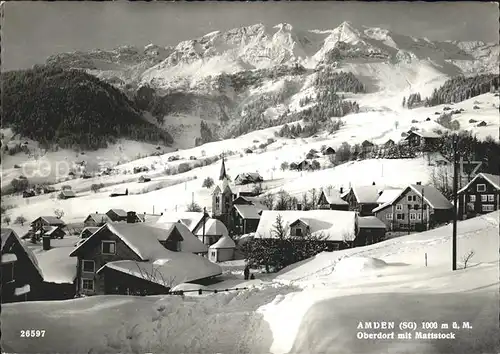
134,259
422,139
133,217
329,151
223,250
337,228
42,221
51,231
117,215
247,178
304,165
211,231
367,146
48,189
389,143
416,207
369,230
21,275
119,192
67,194
311,156
245,214
331,199
480,196
388,195
144,179
96,220
362,199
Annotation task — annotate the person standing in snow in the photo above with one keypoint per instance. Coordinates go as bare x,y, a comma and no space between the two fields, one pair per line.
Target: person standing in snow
246,272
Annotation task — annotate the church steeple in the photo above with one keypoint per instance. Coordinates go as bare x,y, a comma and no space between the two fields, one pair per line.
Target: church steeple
223,174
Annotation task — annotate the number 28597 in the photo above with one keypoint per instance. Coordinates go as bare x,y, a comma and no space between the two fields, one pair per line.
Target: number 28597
32,333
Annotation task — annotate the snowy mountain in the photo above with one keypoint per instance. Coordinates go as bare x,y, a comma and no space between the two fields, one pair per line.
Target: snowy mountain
218,78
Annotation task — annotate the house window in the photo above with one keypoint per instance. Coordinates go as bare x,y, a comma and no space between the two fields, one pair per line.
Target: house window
425,207
484,198
399,207
335,246
419,216
481,187
88,284
472,198
416,207
400,216
388,216
491,197
413,216
488,207
108,247
410,198
217,202
298,231
213,254
88,266
7,272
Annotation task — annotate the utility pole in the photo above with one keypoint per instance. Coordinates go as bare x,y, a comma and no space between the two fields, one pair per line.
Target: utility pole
455,202
204,215
422,210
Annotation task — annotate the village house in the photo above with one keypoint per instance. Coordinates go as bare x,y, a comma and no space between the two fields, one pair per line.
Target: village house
144,179
42,221
96,220
422,139
248,178
304,165
329,151
480,196
245,214
67,194
362,199
417,207
117,215
223,250
331,199
87,231
338,228
119,192
179,238
211,231
367,147
21,276
192,220
370,230
48,189
50,231
123,258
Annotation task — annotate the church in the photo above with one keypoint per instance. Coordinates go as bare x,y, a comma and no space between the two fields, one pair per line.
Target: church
222,198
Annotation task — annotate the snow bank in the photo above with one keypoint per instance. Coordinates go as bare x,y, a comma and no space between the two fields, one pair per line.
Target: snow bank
189,287
350,266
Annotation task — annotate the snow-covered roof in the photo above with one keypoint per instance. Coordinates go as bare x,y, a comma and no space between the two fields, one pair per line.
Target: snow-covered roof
6,234
189,243
494,180
222,186
248,211
370,222
99,217
189,218
68,193
333,197
57,266
388,195
90,229
333,224
119,212
425,134
213,227
224,242
366,194
432,196
51,220
8,258
172,269
48,230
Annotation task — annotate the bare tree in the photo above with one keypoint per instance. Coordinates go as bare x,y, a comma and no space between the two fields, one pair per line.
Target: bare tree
466,257
154,274
20,220
314,198
59,213
268,201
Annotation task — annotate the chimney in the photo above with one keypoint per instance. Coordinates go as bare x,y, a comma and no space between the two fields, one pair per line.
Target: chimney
131,217
419,183
341,190
299,206
46,242
373,183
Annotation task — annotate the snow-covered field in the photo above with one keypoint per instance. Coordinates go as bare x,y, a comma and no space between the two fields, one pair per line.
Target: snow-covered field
311,307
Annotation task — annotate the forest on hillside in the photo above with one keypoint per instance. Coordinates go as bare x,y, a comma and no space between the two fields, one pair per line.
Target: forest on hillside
71,109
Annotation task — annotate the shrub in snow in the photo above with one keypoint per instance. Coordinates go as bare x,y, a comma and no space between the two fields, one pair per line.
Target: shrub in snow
95,187
208,182
472,121
20,220
6,220
284,166
476,107
194,207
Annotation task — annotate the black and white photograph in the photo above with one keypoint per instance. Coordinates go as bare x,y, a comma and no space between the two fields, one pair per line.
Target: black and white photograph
287,177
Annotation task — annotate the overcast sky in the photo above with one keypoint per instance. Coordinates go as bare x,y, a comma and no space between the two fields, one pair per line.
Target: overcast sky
32,31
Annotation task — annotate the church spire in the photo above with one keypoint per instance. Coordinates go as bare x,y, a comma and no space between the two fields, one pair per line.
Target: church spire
223,174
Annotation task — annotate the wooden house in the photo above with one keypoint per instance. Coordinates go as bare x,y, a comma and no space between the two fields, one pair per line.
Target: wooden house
67,194
417,207
223,250
480,196
51,231
331,199
88,231
117,215
119,192
362,199
42,221
367,147
369,230
123,258
144,179
304,165
48,189
21,276
245,215
422,139
96,220
247,178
